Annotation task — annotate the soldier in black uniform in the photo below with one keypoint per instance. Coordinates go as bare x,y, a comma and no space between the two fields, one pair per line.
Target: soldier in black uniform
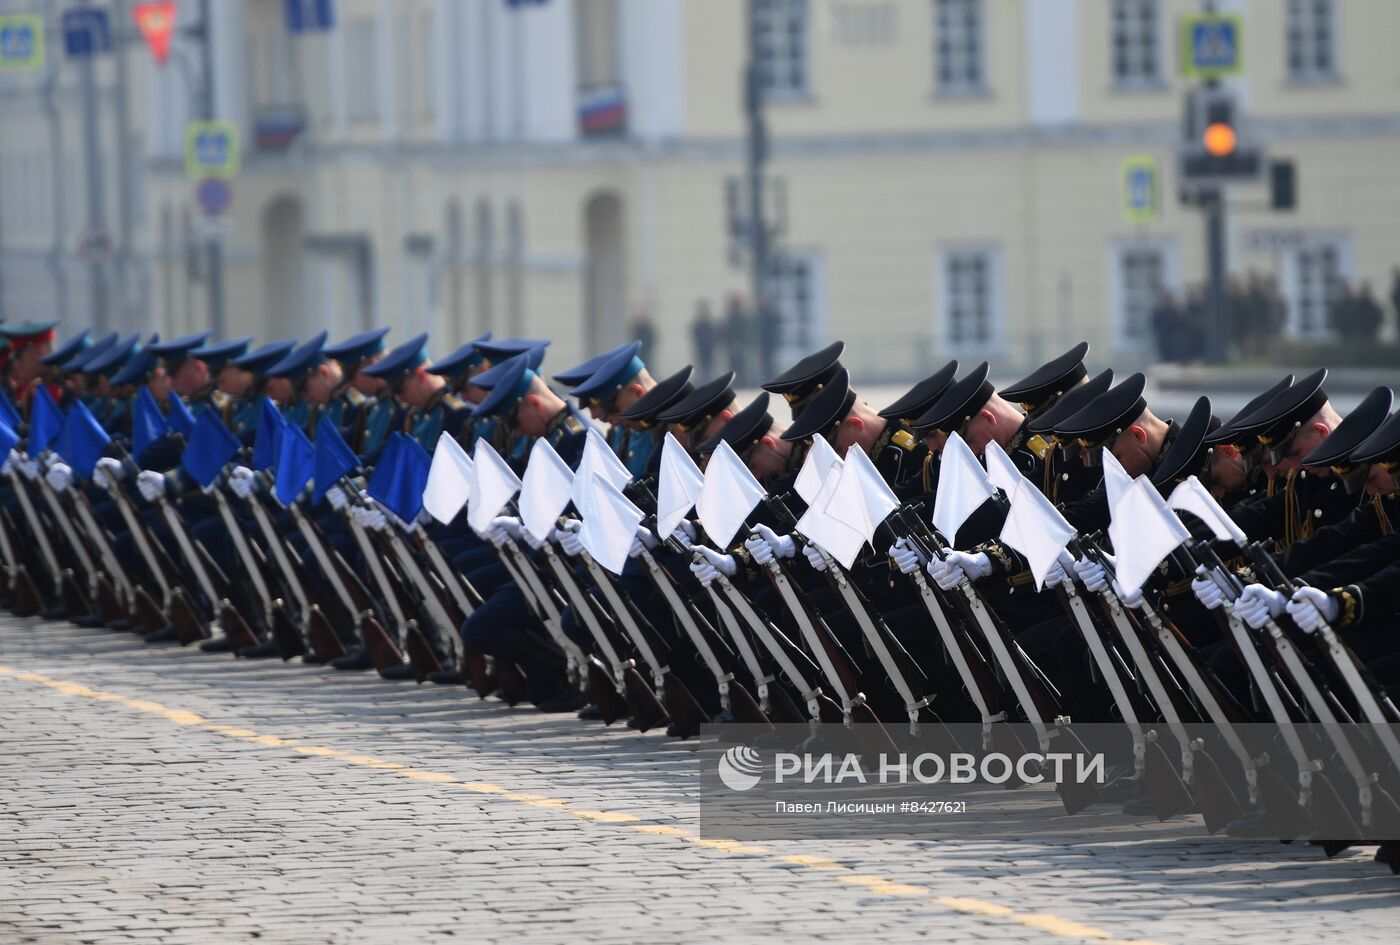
905,411
702,413
641,415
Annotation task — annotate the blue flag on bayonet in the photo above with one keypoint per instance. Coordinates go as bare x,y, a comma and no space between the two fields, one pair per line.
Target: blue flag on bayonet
210,447
82,440
334,458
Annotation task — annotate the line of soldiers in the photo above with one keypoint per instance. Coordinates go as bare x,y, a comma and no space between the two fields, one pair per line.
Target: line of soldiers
343,504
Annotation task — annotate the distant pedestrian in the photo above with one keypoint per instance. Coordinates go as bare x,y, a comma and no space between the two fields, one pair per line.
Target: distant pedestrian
736,337
1395,297
704,335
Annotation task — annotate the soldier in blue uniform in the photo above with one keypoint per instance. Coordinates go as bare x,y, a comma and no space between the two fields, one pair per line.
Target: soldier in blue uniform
357,405
618,381
245,381
503,626
431,408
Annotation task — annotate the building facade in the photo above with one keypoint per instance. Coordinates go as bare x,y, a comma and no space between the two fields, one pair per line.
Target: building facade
949,171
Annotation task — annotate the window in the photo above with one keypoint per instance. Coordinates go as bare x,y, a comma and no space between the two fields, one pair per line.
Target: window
970,300
1136,37
1318,278
780,47
361,67
793,284
596,44
957,47
1311,40
1142,277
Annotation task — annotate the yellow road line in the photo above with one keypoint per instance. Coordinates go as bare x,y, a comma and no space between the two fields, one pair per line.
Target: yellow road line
874,885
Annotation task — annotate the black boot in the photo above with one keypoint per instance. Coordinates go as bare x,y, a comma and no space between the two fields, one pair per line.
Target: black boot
358,658
219,644
264,650
163,635
397,672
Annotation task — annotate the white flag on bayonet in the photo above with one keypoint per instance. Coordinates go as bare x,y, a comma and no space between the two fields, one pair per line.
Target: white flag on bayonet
678,485
495,484
546,491
449,483
962,488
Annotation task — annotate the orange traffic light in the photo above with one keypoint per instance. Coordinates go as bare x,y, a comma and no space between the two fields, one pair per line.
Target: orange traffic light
1219,139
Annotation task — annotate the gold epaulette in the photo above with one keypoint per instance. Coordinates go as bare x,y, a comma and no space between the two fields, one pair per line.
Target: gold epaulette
572,424
1038,445
904,440
453,402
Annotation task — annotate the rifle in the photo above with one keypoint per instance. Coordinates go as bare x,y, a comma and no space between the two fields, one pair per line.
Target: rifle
1315,795
22,593
1031,689
1373,798
647,710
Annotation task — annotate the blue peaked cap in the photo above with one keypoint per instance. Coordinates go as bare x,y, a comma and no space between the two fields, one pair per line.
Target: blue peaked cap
138,365
219,353
577,375
358,347
79,361
78,343
462,360
301,359
111,360
179,348
260,359
615,369
402,359
507,383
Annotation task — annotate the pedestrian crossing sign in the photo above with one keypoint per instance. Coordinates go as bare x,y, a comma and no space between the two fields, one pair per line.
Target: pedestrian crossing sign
1142,189
21,42
1211,46
211,149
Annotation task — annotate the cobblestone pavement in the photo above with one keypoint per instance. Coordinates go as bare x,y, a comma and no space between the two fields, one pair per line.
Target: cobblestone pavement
156,794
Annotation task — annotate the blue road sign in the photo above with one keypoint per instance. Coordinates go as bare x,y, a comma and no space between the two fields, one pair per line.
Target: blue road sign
309,16
213,195
86,32
1211,45
1141,192
21,42
211,149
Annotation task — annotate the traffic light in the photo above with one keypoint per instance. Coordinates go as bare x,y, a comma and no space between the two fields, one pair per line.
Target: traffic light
1213,150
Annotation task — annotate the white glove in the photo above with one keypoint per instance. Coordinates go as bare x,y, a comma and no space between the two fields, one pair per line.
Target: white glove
368,518
905,556
765,545
1259,604
151,485
60,477
108,472
337,498
687,530
1060,571
28,468
949,572
1206,590
715,564
1091,574
501,529
1310,608
647,537
531,540
242,482
569,541
814,557
11,462
1128,600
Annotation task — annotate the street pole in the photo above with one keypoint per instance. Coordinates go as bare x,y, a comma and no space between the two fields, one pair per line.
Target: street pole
96,198
126,186
1213,201
215,249
757,158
